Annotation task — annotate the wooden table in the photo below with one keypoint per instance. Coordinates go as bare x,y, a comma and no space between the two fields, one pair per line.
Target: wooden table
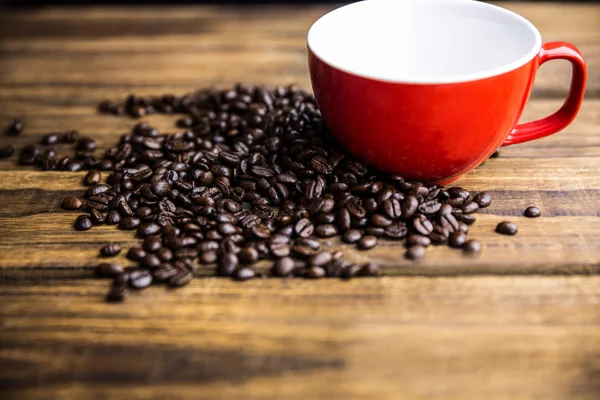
459,329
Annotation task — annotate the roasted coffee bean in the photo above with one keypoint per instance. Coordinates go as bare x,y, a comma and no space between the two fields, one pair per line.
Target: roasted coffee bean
50,139
313,243
415,252
7,151
302,251
279,249
283,267
244,274
108,270
380,221
110,250
97,217
457,239
315,273
472,246
209,257
422,225
374,231
397,230
136,254
321,165
392,208
326,231
458,192
483,199
140,279
320,259
324,218
429,207
83,223
28,155
409,207
304,228
507,228
181,278
351,271
469,207
150,261
112,217
129,223
532,212
370,269
85,144
152,244
351,236
93,177
164,254
71,203
466,218
248,255
227,264
117,293
366,242
343,220
14,127
418,239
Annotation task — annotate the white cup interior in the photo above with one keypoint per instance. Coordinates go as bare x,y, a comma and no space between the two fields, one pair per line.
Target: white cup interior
424,41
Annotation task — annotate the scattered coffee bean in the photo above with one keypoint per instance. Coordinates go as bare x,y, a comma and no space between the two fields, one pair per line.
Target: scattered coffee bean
415,252
83,223
110,250
315,273
472,246
482,199
418,239
14,127
244,274
140,279
136,254
72,203
284,267
7,151
117,293
351,236
108,270
507,228
181,278
366,242
227,264
320,259
370,269
93,177
457,239
532,212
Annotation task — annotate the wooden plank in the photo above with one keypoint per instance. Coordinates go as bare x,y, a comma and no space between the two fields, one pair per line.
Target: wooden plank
388,338
70,49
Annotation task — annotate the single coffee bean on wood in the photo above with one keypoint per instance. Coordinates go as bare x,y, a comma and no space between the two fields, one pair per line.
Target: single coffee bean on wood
72,203
415,252
366,242
472,246
108,270
507,228
83,223
532,212
110,250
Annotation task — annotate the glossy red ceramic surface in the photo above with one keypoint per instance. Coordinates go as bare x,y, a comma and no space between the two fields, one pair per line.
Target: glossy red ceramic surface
437,132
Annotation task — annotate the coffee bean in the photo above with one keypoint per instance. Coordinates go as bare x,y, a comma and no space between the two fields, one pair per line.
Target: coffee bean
380,221
140,279
129,223
310,242
457,239
351,236
472,246
83,223
304,228
321,165
370,269
397,230
422,225
415,252
93,177
244,274
14,127
320,259
110,250
315,273
150,261
469,207
7,151
392,208
507,228
112,217
351,271
117,293
28,155
181,278
430,207
108,270
248,255
409,207
136,254
72,203
326,231
152,244
418,239
85,144
458,192
227,264
209,257
483,199
532,212
366,242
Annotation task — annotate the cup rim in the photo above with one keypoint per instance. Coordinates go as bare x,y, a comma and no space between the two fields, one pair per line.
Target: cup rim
450,79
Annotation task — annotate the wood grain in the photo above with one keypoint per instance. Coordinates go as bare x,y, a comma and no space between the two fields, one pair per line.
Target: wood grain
388,338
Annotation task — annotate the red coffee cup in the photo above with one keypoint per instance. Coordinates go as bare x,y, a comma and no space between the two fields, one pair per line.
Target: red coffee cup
431,88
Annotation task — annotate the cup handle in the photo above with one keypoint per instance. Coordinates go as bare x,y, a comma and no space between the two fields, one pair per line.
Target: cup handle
567,113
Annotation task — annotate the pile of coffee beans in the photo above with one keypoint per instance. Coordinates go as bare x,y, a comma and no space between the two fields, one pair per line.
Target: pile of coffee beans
252,174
